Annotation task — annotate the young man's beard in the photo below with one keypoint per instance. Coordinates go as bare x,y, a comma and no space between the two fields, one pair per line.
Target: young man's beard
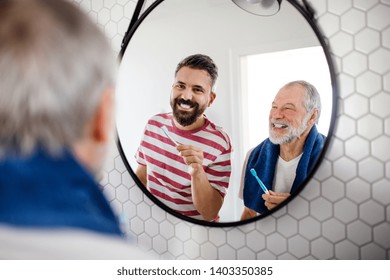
186,118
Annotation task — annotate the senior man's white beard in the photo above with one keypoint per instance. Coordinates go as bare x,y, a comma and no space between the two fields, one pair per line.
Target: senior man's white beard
292,132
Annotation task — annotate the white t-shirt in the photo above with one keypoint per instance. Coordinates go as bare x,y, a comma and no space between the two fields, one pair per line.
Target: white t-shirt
285,174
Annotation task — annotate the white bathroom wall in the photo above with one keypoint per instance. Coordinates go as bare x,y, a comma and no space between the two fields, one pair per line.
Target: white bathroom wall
344,212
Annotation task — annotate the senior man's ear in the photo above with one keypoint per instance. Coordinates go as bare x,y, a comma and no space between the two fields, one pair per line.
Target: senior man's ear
102,123
313,117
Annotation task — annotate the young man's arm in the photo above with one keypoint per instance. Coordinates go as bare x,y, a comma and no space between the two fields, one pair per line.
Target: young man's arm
141,174
207,200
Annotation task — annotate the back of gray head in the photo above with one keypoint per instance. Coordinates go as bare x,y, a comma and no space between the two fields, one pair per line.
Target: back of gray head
54,65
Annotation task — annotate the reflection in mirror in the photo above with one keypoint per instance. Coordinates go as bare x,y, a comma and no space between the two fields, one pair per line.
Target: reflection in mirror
255,55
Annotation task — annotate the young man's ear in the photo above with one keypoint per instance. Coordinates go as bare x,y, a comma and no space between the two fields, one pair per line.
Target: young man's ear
102,122
213,95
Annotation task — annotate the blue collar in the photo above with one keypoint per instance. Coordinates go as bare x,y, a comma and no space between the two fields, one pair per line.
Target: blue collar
52,192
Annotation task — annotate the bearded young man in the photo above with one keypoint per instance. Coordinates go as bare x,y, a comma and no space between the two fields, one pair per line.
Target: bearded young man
283,161
192,175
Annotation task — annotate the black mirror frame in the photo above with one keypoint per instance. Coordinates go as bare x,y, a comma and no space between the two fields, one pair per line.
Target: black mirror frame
308,13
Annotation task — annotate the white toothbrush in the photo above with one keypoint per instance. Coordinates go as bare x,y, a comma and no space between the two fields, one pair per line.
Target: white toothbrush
166,132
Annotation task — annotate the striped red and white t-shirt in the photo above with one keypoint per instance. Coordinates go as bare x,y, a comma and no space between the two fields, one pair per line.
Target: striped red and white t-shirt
167,173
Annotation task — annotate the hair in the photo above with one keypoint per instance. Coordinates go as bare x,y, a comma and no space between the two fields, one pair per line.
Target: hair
55,63
200,62
312,97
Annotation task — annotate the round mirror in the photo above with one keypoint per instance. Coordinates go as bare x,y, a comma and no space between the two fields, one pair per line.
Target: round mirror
255,57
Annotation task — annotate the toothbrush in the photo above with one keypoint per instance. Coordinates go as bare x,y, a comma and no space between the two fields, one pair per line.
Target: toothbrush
263,187
166,132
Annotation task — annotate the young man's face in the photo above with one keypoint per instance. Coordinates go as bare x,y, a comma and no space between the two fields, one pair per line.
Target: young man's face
190,97
288,118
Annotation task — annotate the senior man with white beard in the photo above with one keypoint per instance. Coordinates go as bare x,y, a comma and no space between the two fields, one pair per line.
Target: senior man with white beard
283,160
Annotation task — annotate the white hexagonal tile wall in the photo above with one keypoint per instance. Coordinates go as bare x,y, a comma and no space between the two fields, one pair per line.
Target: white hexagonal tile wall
119,165
368,83
114,178
145,242
386,38
321,209
109,192
354,63
167,230
382,236
372,252
381,148
276,243
159,244
175,246
151,227
346,250
322,249
358,190
381,191
333,230
364,4
226,252
309,228
183,231
191,249
372,212
217,237
200,234
352,21
359,232
367,40
345,128
122,194
256,241
329,23
287,226
370,127
344,169
347,85
311,191
378,61
339,7
345,40
324,171
370,169
345,210
298,246
378,18
356,106
246,254
209,251
267,225
357,148
236,238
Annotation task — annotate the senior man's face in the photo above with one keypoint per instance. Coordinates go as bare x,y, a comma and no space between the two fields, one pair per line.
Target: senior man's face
288,118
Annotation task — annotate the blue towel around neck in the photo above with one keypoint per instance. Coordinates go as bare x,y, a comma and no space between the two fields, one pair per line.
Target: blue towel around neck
42,191
264,158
